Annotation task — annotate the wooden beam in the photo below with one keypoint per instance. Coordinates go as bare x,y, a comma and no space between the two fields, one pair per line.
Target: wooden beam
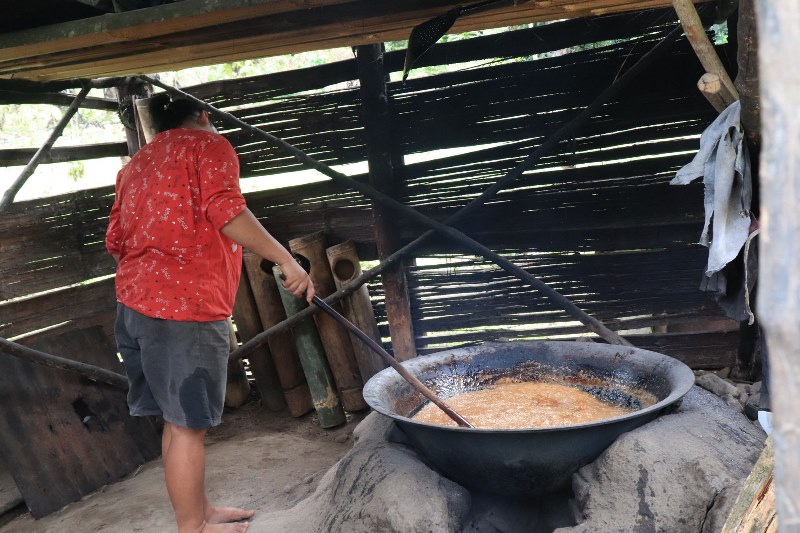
261,29
141,23
384,177
24,97
779,261
20,156
31,86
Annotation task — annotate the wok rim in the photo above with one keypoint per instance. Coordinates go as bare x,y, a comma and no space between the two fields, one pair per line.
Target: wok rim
683,382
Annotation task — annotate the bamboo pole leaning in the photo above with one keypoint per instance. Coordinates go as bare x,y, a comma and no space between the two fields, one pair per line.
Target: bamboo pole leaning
592,323
551,142
30,168
92,372
248,347
696,35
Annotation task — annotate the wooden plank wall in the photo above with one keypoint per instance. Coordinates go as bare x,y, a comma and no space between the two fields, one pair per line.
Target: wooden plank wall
597,219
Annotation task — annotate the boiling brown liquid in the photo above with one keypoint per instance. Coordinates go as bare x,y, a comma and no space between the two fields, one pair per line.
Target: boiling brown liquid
525,405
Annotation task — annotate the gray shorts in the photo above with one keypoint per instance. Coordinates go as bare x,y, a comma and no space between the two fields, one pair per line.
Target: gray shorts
175,369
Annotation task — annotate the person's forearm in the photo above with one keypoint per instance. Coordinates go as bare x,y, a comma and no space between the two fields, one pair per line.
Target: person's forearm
247,231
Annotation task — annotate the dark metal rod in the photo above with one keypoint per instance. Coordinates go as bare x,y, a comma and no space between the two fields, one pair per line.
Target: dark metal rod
548,145
473,245
30,168
391,361
95,373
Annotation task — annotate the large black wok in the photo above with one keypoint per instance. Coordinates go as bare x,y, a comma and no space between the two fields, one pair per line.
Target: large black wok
533,461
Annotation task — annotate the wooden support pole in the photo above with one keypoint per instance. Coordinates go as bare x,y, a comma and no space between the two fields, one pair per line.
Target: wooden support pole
779,259
127,94
88,371
384,177
8,197
747,77
312,356
697,37
552,142
336,341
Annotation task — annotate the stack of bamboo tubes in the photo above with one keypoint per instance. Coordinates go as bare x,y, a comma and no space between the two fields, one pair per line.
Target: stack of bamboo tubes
315,366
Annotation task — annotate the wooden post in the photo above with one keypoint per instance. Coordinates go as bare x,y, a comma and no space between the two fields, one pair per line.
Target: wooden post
248,322
346,267
747,85
237,388
30,168
312,356
335,339
284,354
754,509
127,95
779,278
384,177
747,77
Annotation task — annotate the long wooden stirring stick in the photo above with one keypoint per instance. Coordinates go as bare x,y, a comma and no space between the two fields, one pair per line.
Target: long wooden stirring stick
408,376
378,349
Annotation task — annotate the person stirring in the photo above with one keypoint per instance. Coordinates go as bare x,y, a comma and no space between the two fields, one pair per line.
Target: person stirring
177,229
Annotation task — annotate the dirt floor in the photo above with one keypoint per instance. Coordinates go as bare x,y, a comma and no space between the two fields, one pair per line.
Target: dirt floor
255,459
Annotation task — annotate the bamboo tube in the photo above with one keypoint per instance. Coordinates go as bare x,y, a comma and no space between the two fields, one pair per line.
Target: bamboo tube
284,353
345,266
237,388
312,356
335,339
248,322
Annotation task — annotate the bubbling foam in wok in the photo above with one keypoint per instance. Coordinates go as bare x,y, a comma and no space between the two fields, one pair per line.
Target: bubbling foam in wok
534,396
522,406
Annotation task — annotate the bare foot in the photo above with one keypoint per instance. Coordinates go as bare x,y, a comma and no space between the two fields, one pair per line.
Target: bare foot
224,515
238,527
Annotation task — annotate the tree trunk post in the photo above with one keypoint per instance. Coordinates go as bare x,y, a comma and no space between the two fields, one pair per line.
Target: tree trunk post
779,299
384,177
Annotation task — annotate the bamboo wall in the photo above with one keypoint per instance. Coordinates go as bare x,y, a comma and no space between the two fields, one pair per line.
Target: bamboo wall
597,220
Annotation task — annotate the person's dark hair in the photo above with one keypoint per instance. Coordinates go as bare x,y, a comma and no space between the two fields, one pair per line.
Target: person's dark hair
168,114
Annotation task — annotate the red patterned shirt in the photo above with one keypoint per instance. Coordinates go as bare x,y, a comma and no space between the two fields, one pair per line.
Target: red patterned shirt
172,198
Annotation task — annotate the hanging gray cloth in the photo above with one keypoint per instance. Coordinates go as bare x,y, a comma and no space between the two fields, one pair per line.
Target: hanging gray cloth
724,164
